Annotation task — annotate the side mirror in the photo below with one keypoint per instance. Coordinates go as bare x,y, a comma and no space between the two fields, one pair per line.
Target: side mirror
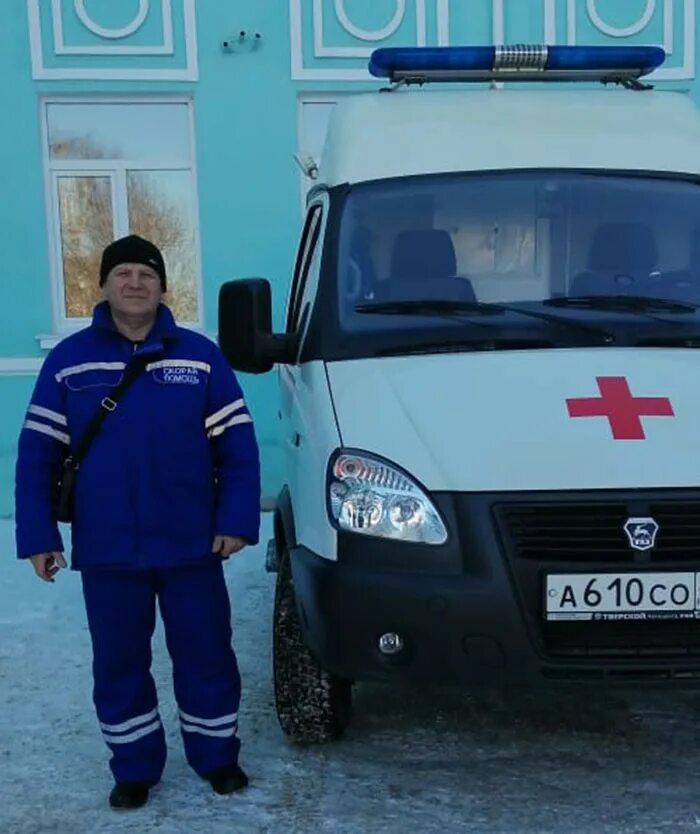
245,327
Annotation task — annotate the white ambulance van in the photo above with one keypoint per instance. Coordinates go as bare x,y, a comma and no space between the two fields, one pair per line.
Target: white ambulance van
489,383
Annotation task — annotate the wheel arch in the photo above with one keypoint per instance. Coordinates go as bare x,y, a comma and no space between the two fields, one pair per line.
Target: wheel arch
284,529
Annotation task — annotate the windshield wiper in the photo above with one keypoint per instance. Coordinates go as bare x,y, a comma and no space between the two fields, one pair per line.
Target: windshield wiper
426,306
457,345
429,307
446,307
624,303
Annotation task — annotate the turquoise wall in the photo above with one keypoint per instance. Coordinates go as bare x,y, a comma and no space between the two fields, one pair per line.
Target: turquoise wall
245,106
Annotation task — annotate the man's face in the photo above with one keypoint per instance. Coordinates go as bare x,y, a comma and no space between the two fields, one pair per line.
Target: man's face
133,289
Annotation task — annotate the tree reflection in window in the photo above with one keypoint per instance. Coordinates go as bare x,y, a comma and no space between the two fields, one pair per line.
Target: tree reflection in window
141,184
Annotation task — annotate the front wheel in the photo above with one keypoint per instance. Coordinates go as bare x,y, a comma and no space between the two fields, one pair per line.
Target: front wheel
313,705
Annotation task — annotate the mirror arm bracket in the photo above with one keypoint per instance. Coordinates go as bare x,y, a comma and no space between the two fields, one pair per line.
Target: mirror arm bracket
280,348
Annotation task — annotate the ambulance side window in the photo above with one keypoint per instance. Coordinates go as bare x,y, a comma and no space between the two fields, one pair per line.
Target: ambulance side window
305,254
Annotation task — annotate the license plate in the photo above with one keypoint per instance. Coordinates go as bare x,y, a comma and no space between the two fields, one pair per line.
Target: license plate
622,596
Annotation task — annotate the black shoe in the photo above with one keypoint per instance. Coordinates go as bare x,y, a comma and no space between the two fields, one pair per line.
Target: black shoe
227,779
128,795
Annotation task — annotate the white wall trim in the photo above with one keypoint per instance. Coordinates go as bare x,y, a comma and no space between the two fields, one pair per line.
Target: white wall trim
41,72
668,28
296,22
364,34
20,366
304,13
550,21
166,48
682,73
323,51
54,273
118,98
498,18
107,164
499,22
104,32
199,277
625,31
50,340
443,22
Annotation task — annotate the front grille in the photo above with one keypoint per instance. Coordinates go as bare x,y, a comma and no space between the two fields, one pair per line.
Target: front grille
594,532
588,535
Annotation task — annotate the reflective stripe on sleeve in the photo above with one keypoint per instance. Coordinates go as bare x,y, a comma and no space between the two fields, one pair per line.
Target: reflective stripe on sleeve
234,421
44,429
40,411
224,412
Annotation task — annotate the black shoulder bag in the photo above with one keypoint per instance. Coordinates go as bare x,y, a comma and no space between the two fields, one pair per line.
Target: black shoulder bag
69,469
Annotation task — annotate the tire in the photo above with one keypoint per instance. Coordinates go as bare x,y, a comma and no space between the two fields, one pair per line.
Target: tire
313,705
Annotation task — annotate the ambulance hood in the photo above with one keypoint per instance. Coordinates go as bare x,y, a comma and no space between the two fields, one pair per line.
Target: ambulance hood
528,420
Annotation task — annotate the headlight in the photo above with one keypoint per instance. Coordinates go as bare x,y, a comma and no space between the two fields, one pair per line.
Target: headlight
368,495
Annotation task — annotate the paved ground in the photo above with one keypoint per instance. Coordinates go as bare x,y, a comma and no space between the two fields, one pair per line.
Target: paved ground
433,762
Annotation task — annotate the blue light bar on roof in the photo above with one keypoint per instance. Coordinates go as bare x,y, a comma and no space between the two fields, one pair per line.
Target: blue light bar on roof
519,62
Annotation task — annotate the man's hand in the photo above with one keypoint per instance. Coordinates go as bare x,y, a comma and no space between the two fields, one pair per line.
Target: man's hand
48,564
226,545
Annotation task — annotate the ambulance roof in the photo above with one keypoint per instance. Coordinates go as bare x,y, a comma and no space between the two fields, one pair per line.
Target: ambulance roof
420,131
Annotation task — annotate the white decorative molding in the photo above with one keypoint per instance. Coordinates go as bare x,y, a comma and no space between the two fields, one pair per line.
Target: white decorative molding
308,16
102,31
625,32
443,22
48,341
323,51
550,21
499,21
166,48
364,34
20,366
683,72
297,21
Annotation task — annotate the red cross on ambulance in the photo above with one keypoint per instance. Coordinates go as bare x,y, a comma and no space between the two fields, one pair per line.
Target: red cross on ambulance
623,411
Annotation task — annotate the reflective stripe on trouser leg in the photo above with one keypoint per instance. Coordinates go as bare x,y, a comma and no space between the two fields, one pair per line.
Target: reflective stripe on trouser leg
196,613
120,608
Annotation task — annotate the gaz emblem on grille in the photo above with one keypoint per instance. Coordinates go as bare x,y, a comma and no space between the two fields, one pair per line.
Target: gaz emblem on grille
641,533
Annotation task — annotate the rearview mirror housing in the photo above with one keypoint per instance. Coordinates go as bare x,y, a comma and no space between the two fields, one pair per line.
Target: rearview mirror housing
245,327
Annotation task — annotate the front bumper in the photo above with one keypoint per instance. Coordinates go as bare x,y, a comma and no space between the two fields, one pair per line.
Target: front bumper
471,611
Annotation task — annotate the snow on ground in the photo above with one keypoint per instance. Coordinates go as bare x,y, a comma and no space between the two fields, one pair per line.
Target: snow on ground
413,761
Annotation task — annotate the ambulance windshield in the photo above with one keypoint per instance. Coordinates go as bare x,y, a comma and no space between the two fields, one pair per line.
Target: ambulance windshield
537,240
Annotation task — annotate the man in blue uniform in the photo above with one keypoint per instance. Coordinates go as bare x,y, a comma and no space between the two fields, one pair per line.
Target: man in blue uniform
169,487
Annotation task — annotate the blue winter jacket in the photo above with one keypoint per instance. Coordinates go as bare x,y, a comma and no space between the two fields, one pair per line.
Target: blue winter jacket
175,464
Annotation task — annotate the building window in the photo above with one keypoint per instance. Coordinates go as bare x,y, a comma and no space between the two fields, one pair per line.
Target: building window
114,168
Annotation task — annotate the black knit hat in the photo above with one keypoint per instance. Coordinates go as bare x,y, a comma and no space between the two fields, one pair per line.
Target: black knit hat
132,250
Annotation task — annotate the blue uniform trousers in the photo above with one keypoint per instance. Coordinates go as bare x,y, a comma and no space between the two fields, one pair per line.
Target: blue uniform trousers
196,613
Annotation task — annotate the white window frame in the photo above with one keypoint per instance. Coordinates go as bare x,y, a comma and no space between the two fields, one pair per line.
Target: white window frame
116,170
